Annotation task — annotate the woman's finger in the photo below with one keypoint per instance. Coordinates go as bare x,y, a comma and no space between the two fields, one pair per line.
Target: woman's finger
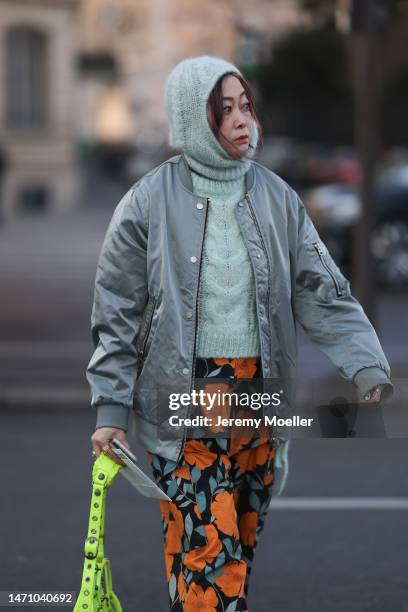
373,396
95,448
107,449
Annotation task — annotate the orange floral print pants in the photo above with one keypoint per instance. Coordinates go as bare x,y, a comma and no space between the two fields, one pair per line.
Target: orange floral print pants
220,491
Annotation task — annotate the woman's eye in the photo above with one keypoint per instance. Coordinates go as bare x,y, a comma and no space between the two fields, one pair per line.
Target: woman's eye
246,107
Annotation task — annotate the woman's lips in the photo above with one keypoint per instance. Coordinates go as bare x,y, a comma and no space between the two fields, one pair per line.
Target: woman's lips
242,138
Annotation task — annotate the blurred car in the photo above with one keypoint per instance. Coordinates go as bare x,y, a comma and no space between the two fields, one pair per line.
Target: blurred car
326,165
335,208
305,164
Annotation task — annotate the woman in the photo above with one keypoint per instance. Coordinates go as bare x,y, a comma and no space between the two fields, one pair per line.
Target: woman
209,260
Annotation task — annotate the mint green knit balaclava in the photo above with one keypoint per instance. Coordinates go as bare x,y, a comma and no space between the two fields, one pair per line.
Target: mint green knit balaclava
187,90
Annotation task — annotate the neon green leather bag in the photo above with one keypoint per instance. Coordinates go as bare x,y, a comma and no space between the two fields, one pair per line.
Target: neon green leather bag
96,593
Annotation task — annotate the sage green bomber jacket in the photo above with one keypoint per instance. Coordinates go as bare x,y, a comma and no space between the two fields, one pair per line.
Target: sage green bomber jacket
144,316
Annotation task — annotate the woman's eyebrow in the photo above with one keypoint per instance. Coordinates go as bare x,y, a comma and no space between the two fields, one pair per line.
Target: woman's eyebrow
229,98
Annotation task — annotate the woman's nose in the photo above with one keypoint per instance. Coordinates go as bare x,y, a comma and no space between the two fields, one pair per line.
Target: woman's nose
240,119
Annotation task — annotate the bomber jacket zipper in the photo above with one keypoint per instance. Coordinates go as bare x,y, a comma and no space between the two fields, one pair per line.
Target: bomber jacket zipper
275,438
196,324
322,259
142,350
264,248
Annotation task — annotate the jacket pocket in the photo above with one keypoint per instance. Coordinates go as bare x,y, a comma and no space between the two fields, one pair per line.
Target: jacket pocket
339,282
145,331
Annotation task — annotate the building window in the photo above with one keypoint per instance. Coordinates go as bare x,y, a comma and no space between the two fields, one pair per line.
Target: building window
26,78
33,198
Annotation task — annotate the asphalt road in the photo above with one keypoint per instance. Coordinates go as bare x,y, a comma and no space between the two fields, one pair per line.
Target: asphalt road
307,560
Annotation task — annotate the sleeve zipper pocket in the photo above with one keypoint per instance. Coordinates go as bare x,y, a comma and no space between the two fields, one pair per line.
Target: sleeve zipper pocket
320,252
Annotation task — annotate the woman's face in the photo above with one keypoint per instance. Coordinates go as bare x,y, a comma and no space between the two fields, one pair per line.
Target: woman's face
237,118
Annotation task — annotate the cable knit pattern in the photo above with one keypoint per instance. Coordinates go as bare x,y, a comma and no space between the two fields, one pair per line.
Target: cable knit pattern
227,325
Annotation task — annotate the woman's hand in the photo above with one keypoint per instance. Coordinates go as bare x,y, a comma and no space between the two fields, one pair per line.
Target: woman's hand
100,441
373,396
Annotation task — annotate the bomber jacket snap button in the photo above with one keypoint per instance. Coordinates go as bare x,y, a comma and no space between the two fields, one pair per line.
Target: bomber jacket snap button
200,205
185,370
189,315
258,255
240,204
193,259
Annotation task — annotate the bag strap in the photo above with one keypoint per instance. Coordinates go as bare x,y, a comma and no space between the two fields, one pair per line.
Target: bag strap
104,472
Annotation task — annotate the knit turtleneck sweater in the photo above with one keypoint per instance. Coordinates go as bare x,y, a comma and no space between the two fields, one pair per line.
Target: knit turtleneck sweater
227,324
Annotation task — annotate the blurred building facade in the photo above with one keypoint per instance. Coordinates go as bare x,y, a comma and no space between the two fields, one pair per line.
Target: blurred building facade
82,73
132,46
38,44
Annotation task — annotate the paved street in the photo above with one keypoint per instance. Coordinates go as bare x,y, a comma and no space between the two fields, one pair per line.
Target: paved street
309,560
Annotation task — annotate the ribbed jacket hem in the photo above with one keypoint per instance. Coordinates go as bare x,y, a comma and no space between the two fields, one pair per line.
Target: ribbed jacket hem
212,344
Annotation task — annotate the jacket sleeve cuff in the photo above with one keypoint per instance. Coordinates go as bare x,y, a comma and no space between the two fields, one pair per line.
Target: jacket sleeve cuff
112,415
370,377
